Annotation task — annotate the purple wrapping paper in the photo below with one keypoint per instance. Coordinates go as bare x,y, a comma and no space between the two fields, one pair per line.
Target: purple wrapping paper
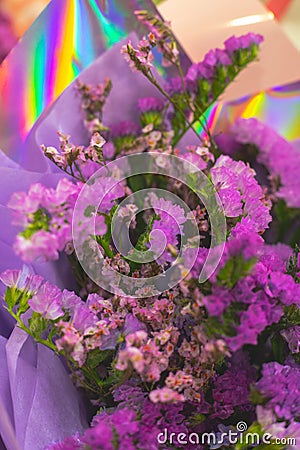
13,178
38,403
37,383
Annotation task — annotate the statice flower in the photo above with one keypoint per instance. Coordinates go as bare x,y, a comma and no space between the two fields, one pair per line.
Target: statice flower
46,215
23,280
47,302
70,443
271,148
249,291
240,193
221,64
147,104
233,44
166,395
140,58
286,431
231,390
160,36
77,160
281,397
292,337
151,112
145,355
170,223
93,101
125,429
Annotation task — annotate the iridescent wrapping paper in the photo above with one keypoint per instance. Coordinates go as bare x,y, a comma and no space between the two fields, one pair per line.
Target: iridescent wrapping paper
65,39
68,37
277,107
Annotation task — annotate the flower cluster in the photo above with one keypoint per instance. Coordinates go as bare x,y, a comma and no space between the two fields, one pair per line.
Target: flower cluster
189,355
128,427
271,149
240,193
45,215
277,395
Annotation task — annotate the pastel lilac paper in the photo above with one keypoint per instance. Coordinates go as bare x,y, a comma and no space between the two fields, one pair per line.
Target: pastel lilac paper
39,397
38,402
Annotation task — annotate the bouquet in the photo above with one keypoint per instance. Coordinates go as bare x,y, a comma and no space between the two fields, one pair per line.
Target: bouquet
177,319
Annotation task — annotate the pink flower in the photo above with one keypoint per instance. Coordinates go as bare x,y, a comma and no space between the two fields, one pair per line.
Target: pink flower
47,302
42,245
165,395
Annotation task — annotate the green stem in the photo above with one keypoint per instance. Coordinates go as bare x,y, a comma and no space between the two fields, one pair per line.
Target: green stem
79,171
165,94
21,324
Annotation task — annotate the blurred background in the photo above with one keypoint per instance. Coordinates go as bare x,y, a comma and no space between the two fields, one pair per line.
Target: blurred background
22,13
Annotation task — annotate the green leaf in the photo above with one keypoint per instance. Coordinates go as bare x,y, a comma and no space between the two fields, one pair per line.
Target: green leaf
96,357
23,304
250,437
37,325
236,268
10,298
256,397
278,348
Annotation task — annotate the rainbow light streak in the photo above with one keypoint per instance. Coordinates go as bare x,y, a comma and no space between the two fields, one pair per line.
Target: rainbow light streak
277,107
65,39
68,36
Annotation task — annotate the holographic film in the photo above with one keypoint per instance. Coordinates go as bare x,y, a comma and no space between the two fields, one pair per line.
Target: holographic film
64,40
277,107
68,37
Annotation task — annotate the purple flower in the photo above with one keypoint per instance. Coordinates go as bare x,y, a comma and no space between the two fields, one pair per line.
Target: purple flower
21,279
150,104
109,151
124,128
271,147
232,44
280,386
218,301
232,389
222,57
192,73
292,337
42,245
244,239
174,86
168,226
99,437
283,287
240,192
260,314
47,302
205,71
70,443
83,319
